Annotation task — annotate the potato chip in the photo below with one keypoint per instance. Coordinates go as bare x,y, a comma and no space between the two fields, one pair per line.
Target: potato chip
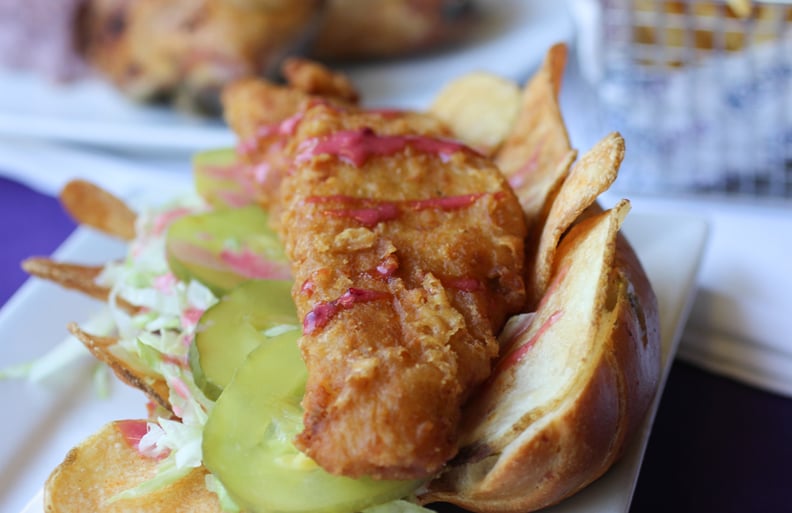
591,176
81,278
538,142
480,108
105,465
106,349
93,206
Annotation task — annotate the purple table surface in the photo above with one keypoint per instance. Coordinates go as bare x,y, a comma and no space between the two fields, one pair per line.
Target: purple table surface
717,445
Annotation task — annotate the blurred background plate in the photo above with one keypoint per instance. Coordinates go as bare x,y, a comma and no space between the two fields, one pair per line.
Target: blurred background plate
510,40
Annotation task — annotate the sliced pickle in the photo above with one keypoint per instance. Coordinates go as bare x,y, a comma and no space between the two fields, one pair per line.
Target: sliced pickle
223,179
242,320
225,247
247,442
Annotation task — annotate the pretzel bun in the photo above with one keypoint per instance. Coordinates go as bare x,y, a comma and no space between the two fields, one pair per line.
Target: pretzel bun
573,385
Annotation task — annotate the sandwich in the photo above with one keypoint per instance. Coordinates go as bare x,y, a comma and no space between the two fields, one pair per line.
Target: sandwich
369,310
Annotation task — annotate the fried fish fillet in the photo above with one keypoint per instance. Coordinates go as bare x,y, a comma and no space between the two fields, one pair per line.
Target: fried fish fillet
407,252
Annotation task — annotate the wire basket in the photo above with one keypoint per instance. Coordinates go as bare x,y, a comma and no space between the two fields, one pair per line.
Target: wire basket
703,96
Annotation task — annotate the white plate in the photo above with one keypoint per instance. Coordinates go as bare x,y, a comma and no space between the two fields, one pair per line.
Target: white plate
510,42
46,422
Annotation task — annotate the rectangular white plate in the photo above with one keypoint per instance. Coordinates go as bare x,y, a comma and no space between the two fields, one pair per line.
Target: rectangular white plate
44,422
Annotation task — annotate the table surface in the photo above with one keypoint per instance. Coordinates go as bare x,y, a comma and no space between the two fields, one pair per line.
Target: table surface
717,445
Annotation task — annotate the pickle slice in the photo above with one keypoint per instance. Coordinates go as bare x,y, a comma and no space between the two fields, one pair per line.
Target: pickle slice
223,179
225,247
247,442
242,320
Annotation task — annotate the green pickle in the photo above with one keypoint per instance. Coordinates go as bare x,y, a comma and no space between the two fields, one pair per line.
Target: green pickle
247,438
222,248
241,321
220,178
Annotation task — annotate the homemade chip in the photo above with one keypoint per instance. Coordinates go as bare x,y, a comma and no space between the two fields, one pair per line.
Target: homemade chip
107,464
105,349
480,108
93,206
81,278
590,177
538,142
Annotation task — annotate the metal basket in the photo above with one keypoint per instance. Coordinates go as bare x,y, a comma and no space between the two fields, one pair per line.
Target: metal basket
703,96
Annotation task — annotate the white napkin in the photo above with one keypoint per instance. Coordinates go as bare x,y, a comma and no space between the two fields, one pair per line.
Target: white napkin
47,167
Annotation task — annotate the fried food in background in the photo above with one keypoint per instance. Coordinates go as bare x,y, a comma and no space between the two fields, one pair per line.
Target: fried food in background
185,51
422,248
361,29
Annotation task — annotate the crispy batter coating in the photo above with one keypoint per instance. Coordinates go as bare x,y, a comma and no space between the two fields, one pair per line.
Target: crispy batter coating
407,252
264,114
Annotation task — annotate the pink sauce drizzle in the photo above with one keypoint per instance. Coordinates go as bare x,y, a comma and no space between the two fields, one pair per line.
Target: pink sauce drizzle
182,362
191,316
281,129
357,146
133,431
324,311
162,221
245,263
519,177
518,354
370,212
165,283
251,265
368,217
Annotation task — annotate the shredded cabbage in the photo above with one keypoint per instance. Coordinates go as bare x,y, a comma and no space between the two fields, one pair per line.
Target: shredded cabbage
158,338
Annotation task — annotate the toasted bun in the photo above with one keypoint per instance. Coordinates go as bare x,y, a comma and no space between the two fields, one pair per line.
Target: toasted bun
573,385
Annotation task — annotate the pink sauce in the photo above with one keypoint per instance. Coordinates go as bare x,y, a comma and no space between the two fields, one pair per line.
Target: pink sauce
324,311
245,263
280,130
191,316
519,177
357,146
557,279
235,171
368,217
164,220
236,199
251,265
165,283
133,432
179,362
518,354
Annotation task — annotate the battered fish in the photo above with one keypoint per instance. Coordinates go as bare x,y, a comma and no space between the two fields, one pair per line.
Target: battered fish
407,253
